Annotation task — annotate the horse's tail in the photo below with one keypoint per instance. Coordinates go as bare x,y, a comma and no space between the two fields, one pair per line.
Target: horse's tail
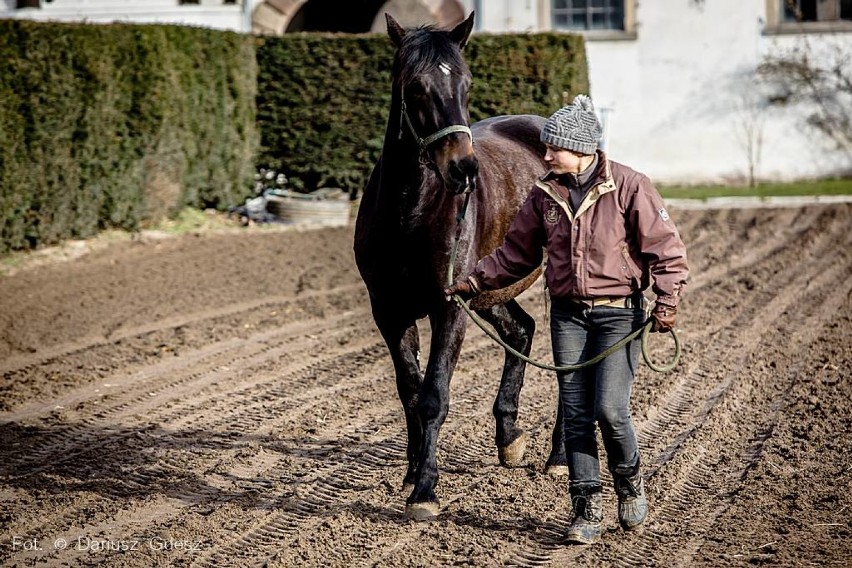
503,295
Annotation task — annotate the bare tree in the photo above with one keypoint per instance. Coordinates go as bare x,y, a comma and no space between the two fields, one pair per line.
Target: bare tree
820,78
751,107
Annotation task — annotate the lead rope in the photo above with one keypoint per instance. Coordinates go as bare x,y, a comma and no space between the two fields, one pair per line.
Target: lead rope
644,330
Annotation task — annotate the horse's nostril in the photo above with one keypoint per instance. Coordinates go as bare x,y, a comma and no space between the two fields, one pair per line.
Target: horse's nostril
470,165
467,167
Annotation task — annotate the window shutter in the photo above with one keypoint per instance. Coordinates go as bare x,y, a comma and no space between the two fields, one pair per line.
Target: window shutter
828,10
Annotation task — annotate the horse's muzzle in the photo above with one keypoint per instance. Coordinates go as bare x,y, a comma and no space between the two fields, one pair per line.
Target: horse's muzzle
461,172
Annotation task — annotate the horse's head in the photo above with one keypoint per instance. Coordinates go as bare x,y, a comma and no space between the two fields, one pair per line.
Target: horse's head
433,83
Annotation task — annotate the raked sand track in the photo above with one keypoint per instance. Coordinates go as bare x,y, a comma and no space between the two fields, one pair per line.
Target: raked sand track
225,400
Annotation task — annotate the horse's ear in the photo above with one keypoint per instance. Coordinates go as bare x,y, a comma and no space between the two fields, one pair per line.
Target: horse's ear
395,31
461,32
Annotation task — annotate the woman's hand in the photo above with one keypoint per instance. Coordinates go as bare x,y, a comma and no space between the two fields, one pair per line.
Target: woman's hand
664,317
465,289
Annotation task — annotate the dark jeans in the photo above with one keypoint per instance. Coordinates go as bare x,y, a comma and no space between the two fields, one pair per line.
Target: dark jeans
600,393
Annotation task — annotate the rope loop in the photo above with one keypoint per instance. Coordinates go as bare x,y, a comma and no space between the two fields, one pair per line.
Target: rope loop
644,331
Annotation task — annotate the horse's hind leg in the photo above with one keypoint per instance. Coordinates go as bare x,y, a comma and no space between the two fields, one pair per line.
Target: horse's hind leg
403,341
516,327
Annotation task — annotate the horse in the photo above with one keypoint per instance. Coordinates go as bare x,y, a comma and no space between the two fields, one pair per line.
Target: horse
405,228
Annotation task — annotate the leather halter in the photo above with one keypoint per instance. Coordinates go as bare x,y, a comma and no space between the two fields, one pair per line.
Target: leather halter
425,142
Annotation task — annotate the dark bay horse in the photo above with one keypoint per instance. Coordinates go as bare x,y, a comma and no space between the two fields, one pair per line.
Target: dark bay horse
404,232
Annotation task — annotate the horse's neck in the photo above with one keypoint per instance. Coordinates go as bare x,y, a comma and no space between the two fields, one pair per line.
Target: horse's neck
416,196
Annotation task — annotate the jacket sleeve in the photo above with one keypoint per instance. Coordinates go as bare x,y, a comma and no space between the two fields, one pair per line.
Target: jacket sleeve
520,253
659,243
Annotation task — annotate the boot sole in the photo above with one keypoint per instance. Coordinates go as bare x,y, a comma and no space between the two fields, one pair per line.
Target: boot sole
577,539
632,528
556,470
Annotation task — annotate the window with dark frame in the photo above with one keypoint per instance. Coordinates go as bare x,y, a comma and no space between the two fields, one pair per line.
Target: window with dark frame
588,14
816,10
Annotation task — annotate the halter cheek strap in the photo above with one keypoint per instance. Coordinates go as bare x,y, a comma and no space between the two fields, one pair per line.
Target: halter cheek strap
424,142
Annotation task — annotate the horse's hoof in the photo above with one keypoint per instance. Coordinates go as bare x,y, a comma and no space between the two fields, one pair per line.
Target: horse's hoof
555,469
511,455
425,511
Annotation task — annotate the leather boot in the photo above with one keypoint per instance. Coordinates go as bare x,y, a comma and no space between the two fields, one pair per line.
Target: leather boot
587,517
632,504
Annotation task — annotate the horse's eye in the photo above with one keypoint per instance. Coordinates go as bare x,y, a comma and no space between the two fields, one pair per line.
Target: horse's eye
417,89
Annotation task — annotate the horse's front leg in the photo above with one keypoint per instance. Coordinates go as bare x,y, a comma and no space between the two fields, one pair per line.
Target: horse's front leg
448,328
403,341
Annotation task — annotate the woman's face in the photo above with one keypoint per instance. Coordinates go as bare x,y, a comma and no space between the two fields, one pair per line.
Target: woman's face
563,161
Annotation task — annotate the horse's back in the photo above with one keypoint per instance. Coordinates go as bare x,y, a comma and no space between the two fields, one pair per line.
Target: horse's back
511,158
511,155
523,129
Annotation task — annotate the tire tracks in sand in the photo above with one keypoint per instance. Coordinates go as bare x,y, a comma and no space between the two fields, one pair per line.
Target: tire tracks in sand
285,445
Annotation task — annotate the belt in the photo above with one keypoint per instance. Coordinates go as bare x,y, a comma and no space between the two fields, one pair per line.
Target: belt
601,301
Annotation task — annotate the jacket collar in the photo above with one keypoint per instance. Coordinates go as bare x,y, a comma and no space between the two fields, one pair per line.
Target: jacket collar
602,185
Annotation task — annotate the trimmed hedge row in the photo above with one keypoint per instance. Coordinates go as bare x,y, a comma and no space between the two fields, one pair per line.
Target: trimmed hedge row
107,126
323,99
111,126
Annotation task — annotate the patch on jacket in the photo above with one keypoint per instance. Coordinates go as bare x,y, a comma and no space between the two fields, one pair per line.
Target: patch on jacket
664,215
551,215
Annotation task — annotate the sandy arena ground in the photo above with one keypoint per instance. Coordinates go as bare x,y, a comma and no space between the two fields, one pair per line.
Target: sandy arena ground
225,400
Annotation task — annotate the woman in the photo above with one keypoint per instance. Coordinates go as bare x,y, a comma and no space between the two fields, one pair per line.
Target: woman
608,237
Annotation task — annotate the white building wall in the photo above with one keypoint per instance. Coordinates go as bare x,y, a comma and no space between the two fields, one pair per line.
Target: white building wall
679,95
684,93
505,15
676,90
210,13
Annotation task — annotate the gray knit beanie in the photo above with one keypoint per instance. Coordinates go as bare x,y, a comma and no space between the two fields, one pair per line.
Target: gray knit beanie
574,127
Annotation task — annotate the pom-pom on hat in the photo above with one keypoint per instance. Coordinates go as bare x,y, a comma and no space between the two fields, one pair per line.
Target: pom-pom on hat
574,127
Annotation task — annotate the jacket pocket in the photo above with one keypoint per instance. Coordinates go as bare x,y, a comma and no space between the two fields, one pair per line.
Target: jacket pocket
629,268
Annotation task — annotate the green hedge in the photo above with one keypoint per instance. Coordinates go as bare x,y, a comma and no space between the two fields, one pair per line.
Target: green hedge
111,126
323,99
108,126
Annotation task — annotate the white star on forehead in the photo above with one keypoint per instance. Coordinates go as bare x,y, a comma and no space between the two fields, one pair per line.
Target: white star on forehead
445,68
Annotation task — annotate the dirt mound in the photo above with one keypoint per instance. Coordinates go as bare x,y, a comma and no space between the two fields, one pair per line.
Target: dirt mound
225,400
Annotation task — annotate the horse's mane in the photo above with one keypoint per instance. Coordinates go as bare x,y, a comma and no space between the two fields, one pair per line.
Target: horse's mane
421,51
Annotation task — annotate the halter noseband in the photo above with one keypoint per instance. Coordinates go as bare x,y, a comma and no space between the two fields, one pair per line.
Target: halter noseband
425,142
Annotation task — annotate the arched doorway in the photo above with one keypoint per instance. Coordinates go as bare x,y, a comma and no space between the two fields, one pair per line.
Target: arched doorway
277,17
334,16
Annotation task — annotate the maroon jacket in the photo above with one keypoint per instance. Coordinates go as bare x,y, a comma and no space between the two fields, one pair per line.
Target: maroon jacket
619,239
